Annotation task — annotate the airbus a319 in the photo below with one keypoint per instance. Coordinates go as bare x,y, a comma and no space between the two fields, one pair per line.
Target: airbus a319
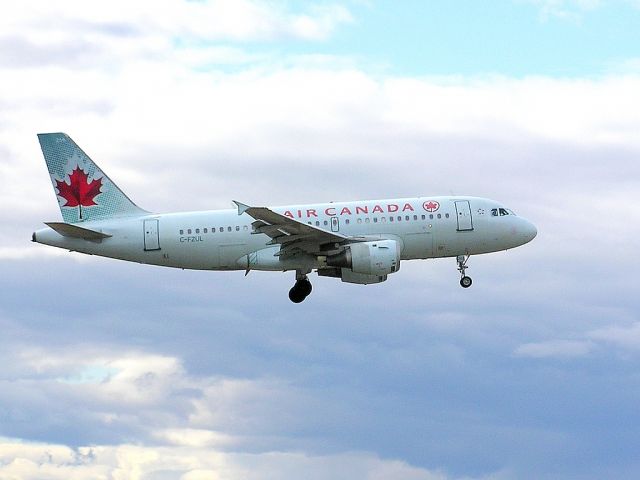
358,242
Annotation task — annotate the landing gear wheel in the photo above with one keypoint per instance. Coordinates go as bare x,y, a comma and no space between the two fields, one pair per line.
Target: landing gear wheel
305,287
300,290
465,282
296,295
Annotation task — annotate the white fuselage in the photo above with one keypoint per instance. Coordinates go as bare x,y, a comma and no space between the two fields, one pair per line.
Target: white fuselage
224,240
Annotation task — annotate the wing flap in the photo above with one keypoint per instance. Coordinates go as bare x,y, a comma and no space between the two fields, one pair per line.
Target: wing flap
288,232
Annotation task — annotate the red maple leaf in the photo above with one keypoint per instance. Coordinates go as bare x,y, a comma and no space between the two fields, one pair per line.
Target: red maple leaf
79,192
431,206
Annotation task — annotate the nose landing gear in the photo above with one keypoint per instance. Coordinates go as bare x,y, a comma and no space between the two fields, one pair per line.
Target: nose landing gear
301,289
465,282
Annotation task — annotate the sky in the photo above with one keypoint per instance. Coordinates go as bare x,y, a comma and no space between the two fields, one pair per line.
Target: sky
112,370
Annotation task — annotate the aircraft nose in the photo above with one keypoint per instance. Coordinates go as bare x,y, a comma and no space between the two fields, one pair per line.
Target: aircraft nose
530,231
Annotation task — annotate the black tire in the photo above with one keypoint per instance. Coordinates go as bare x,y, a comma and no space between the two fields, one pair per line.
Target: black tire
304,286
465,282
295,295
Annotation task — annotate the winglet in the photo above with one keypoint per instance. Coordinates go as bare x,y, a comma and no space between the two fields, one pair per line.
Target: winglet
241,207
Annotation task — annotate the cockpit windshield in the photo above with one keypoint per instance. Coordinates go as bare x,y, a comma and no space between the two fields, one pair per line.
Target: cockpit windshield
495,212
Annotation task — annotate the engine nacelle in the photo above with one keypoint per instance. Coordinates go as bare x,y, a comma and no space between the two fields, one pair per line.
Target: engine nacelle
377,258
268,259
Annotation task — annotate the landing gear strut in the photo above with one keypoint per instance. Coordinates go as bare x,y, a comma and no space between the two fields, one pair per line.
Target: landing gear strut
465,282
301,289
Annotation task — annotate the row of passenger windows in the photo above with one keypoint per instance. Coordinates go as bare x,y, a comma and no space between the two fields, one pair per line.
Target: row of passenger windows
399,218
190,231
325,223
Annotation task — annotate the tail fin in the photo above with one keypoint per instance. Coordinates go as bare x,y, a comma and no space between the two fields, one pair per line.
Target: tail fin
84,192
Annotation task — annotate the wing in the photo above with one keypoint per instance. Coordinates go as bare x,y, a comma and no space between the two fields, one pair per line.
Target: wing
292,236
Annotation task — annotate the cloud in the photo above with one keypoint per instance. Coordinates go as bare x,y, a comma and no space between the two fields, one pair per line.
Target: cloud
554,348
566,9
217,423
213,20
157,384
416,376
622,337
627,337
53,461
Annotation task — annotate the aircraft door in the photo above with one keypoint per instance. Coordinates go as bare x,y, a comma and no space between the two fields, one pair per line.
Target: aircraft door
151,235
335,224
463,211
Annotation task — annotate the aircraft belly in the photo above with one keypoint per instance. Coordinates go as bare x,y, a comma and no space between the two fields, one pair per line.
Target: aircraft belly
417,245
230,253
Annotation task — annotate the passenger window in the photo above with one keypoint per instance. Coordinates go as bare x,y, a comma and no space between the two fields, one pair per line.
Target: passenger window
407,218
181,232
346,221
317,223
326,223
228,229
221,229
197,230
245,228
415,217
439,215
189,231
446,215
375,219
237,228
359,220
391,219
383,220
431,216
366,220
399,218
205,230
424,217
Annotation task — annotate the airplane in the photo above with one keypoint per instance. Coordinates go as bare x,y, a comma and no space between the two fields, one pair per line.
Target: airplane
358,242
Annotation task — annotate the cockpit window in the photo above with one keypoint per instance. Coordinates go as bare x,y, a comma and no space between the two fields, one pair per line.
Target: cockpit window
501,212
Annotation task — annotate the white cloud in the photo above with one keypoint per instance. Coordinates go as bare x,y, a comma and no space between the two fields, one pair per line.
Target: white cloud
35,461
554,348
627,337
154,396
47,25
568,9
617,336
180,414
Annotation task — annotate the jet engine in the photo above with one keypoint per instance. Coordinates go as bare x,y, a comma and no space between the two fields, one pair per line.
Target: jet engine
377,258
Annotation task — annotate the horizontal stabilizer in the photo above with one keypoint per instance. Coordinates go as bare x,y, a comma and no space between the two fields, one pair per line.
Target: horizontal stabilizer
70,230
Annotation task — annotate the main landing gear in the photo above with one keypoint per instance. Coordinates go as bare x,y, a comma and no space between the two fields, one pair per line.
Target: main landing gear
465,282
301,289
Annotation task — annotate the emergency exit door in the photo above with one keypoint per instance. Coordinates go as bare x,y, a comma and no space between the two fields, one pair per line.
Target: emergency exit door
463,211
335,224
151,235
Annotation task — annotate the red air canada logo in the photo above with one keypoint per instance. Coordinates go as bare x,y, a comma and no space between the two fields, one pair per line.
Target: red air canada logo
79,192
431,205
